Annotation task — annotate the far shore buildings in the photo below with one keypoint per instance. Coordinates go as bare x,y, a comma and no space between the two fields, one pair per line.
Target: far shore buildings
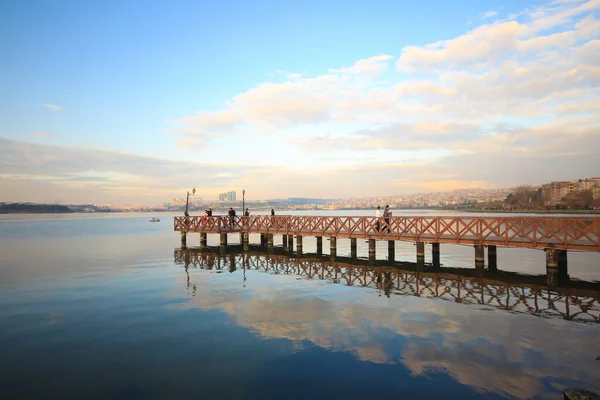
229,196
554,192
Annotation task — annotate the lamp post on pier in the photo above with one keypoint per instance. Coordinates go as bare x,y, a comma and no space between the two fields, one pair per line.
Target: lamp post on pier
243,201
187,200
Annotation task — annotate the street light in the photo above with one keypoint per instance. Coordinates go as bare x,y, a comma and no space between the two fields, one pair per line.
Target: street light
243,201
187,200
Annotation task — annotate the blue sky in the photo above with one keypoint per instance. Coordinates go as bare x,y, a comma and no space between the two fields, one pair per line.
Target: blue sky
278,90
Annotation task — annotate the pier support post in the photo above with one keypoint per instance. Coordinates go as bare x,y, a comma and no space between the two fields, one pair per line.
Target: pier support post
435,255
563,270
492,259
245,241
372,248
479,256
203,241
183,239
299,245
223,241
291,242
319,245
270,242
372,251
284,241
421,252
263,240
333,246
391,251
353,248
552,275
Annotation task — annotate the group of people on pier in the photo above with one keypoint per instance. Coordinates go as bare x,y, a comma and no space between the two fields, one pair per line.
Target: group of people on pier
386,214
231,215
379,214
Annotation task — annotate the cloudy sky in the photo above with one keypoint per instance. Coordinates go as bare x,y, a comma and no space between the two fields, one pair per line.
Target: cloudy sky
138,101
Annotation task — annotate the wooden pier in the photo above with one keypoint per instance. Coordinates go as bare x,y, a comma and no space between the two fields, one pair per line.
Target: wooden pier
555,235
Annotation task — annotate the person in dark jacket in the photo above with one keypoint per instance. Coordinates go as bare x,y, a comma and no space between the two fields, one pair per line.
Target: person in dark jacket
231,215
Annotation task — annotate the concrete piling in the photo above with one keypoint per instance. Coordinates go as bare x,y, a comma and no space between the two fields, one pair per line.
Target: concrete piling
492,258
372,248
552,275
183,239
263,240
421,252
435,255
245,241
353,253
333,246
391,251
479,256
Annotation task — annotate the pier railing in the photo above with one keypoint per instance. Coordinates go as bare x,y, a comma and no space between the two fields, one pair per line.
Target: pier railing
533,232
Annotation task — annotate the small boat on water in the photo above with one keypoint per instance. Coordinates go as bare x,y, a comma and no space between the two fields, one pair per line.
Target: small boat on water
154,219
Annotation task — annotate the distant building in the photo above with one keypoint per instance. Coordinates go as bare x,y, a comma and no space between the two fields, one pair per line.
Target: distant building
554,192
228,196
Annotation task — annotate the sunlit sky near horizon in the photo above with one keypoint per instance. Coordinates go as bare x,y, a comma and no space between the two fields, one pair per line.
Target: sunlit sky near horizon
139,101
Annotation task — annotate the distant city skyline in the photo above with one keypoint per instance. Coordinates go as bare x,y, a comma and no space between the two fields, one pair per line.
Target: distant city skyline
103,102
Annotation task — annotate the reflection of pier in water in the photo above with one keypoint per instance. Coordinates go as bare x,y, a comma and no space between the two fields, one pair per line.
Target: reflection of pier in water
502,290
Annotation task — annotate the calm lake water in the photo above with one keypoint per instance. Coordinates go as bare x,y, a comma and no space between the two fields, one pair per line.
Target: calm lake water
109,306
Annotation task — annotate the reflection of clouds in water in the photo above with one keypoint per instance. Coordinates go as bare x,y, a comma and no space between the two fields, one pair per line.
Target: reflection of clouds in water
490,350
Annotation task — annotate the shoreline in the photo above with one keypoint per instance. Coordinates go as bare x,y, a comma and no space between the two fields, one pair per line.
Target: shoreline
549,212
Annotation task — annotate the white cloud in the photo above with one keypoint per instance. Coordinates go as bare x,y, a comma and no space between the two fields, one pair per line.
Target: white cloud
496,71
373,66
53,107
489,14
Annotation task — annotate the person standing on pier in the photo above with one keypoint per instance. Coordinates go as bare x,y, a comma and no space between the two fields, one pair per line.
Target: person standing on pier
245,219
378,216
231,214
386,216
272,212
